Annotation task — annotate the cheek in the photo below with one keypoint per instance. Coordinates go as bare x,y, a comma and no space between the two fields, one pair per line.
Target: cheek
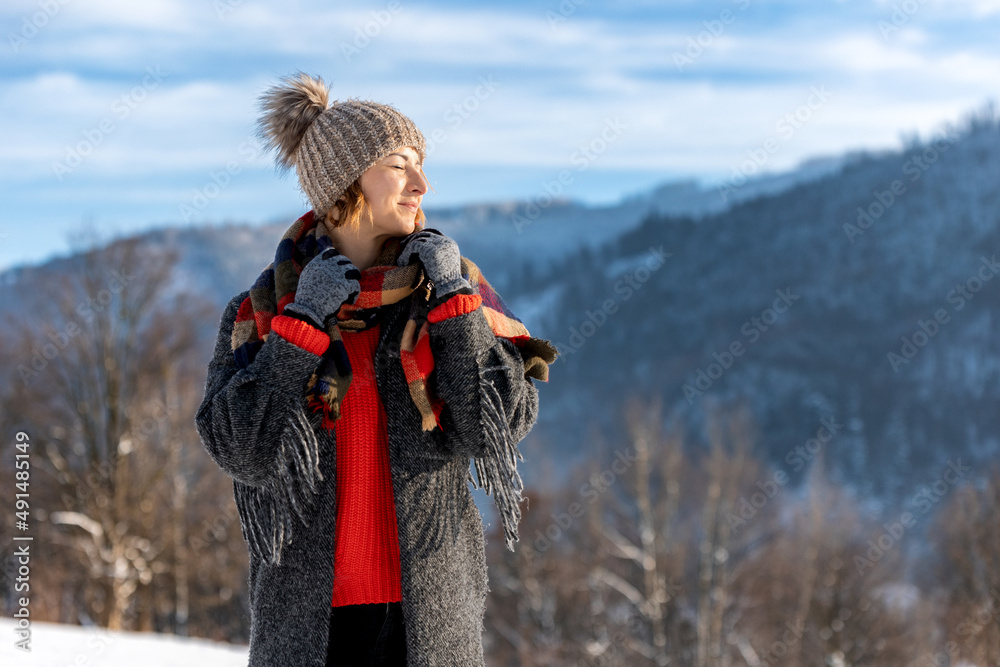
387,190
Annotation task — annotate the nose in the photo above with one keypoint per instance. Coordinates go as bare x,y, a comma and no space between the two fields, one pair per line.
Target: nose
418,183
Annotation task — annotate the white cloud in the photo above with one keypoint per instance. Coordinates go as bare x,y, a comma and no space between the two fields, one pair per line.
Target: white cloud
153,15
976,8
858,52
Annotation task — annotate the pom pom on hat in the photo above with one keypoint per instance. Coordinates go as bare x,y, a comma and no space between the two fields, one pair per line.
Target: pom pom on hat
288,109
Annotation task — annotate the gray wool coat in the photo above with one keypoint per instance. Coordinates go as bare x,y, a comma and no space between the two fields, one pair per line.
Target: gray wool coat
251,418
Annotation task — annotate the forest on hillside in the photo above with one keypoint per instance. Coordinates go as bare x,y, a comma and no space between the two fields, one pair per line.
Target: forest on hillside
660,550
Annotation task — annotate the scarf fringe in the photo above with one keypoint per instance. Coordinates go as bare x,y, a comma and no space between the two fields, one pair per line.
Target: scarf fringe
268,513
497,468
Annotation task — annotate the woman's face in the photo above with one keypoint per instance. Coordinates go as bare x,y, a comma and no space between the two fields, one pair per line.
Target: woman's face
394,187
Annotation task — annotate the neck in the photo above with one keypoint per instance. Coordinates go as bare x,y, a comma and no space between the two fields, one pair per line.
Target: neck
358,246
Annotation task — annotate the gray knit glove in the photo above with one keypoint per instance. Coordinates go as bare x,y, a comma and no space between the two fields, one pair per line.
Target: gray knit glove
328,281
441,259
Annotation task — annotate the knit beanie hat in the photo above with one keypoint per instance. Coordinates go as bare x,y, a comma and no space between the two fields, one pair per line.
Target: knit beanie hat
330,146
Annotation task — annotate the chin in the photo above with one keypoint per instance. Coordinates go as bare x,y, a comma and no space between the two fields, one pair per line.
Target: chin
408,227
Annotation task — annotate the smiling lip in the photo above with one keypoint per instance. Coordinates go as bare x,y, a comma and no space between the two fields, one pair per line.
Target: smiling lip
411,206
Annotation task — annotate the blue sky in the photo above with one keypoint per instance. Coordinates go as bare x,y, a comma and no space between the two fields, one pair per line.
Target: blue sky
121,116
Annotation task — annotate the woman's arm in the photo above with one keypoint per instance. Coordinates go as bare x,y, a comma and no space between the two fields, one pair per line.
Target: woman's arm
245,411
479,378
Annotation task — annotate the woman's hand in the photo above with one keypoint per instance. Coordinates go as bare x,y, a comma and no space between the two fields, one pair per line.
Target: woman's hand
328,281
440,257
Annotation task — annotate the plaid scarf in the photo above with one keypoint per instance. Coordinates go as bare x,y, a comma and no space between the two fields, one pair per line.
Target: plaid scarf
381,285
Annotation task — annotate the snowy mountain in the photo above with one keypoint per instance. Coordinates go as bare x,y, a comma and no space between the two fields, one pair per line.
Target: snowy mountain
865,297
857,289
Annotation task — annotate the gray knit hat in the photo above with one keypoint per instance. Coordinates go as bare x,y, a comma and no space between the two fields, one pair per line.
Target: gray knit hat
330,146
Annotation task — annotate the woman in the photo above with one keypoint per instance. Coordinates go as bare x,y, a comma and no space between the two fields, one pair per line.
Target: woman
349,390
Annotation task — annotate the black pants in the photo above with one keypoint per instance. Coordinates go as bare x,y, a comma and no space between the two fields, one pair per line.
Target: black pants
367,634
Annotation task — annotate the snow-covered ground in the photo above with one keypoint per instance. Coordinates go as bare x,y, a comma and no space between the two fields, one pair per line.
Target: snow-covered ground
54,645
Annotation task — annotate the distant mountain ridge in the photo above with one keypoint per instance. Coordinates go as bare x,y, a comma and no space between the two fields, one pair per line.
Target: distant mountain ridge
503,238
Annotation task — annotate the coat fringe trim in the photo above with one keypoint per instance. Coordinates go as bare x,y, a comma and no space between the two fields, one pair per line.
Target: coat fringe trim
496,469
268,513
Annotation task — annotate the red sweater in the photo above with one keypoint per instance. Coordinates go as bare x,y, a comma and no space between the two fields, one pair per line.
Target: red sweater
366,558
366,562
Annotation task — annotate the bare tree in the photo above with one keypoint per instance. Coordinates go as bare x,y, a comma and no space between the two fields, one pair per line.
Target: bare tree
731,472
968,552
538,612
823,594
639,559
96,331
705,557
